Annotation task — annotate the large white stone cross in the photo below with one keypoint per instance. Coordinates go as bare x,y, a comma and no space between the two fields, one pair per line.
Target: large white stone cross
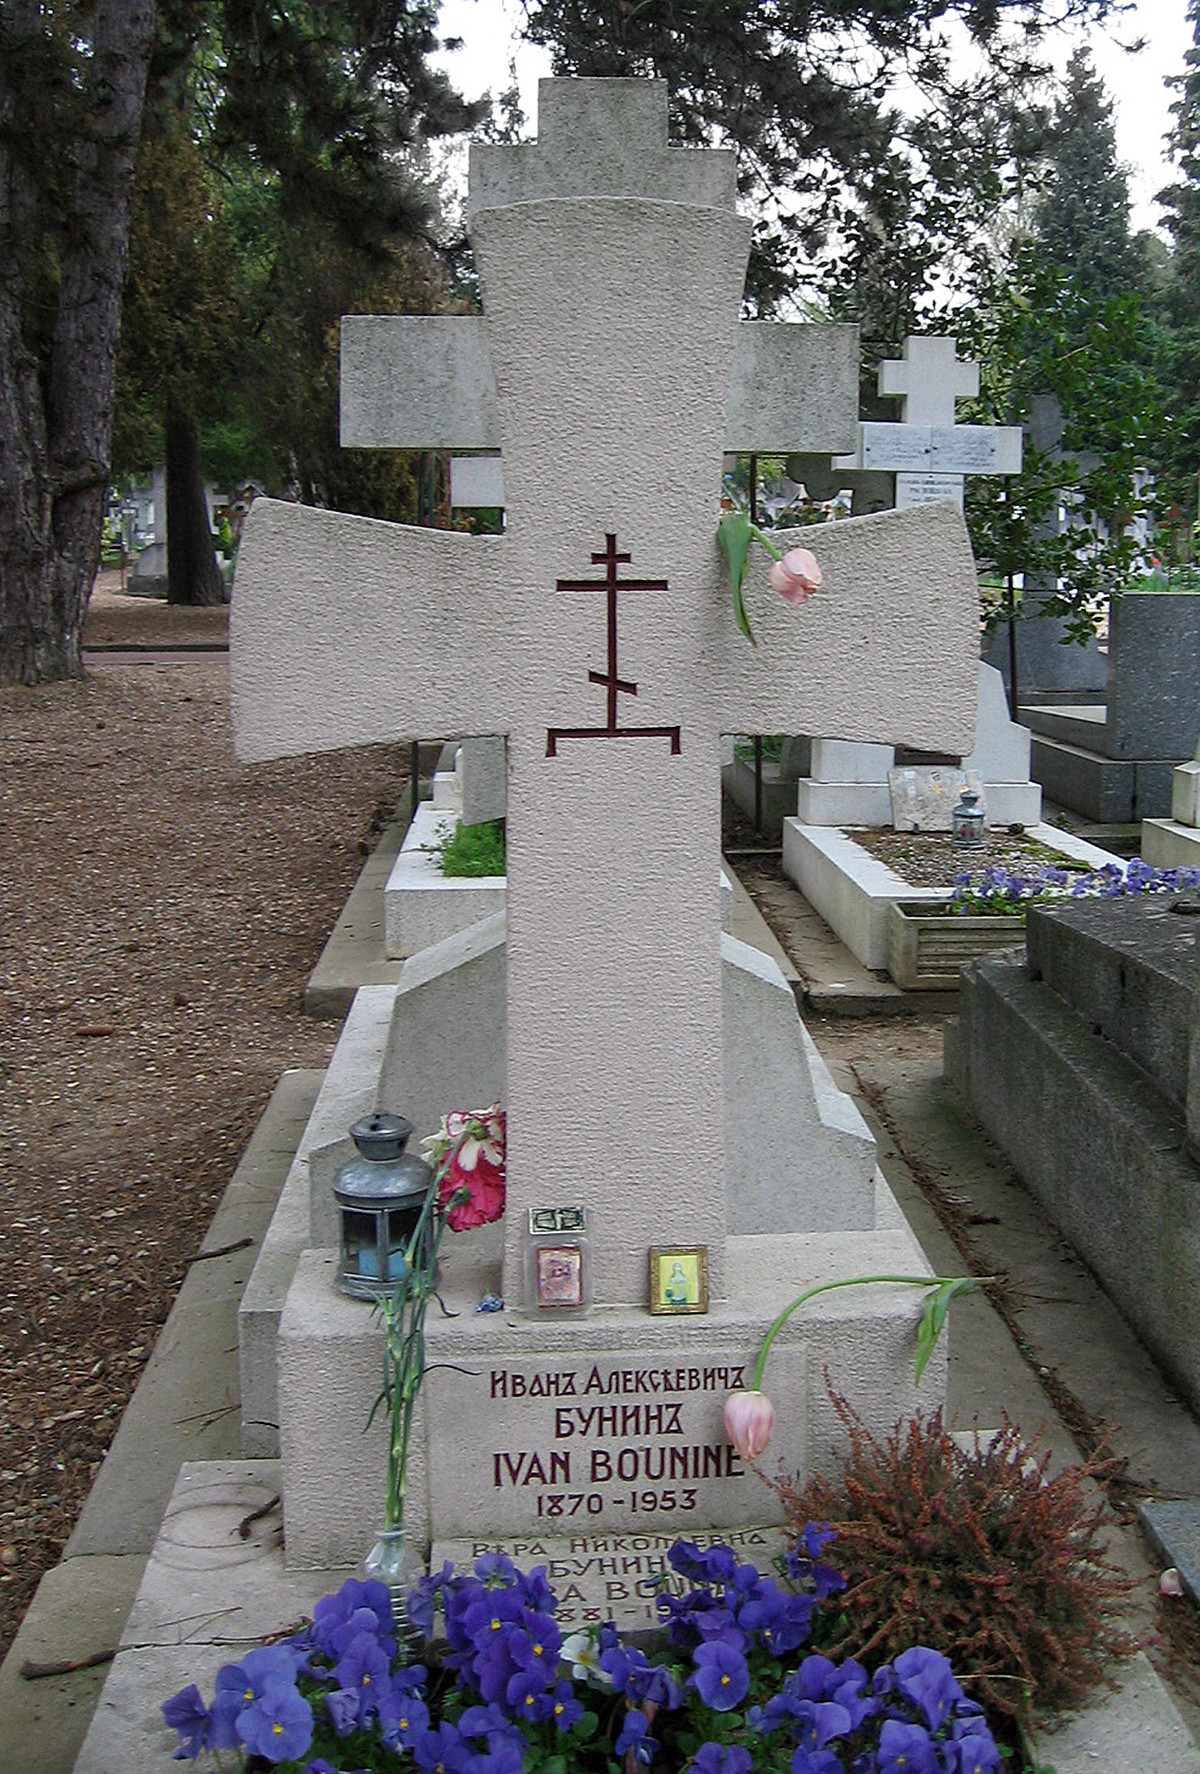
928,453
611,334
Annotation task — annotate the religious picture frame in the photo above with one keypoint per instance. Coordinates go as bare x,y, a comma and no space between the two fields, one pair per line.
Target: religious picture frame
679,1278
558,1262
559,1277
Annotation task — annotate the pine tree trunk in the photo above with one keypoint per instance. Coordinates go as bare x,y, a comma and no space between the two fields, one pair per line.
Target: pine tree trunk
193,573
56,415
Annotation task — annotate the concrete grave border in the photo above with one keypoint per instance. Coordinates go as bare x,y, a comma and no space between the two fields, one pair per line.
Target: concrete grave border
852,890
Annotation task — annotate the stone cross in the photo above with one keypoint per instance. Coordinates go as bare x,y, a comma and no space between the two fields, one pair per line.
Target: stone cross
927,451
609,345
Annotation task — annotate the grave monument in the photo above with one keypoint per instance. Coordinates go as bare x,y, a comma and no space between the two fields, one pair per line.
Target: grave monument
597,636
927,454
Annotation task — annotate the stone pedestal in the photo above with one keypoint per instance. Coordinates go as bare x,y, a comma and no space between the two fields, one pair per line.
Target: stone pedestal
608,1424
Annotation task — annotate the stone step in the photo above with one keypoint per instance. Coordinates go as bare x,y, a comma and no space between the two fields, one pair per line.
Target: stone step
1096,1140
1128,968
1107,789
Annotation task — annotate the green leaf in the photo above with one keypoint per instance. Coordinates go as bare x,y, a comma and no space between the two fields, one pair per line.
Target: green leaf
555,1765
733,533
933,1317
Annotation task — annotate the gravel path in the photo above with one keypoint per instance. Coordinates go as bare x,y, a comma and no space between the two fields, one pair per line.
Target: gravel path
161,907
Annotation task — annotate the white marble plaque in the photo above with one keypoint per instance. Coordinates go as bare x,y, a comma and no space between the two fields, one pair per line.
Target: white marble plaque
895,446
927,489
618,1577
924,796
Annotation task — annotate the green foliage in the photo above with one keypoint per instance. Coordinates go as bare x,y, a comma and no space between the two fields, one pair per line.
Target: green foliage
1040,335
472,851
1081,221
984,1555
281,185
1179,459
802,89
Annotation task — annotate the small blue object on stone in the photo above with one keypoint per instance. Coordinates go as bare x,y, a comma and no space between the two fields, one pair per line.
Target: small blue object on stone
490,1303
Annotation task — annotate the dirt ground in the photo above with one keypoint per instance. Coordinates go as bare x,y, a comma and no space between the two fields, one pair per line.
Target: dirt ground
161,907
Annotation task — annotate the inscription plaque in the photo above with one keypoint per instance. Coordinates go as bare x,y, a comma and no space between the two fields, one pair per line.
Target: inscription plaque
620,1442
598,1577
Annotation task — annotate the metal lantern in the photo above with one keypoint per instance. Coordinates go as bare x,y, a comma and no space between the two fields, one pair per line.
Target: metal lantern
380,1195
966,827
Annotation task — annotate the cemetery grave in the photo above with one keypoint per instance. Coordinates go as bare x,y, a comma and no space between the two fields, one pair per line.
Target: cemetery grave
548,1001
1082,1060
1114,760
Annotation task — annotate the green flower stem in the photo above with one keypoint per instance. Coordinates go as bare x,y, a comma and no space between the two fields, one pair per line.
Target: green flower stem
734,533
941,1290
404,1340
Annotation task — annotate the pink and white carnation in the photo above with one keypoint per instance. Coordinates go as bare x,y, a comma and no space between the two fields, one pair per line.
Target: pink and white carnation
468,1151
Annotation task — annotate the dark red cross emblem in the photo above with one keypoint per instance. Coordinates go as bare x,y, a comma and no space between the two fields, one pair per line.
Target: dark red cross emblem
610,679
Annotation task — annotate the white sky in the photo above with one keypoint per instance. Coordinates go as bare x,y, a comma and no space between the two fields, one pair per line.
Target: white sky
1134,83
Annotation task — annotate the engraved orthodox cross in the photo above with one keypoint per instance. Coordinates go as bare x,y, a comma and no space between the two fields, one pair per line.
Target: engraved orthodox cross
610,680
610,369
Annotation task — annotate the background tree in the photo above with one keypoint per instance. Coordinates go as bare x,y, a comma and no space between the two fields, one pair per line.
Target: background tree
1081,221
1067,318
180,341
294,134
72,89
1179,461
801,88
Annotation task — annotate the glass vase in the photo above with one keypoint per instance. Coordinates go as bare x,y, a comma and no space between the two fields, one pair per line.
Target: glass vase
391,1561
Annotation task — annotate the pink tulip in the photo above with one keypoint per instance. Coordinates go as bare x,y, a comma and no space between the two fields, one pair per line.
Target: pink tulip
749,1422
796,576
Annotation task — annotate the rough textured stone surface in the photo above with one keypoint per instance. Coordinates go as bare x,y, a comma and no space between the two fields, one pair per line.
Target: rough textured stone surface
1153,695
1097,1141
568,339
1001,745
1128,967
600,138
797,1152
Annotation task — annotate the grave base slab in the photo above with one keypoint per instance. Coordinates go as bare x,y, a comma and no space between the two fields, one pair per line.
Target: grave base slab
421,905
1110,791
206,1596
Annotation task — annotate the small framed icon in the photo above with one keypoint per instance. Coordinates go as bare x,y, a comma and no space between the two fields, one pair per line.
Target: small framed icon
679,1278
558,1261
559,1272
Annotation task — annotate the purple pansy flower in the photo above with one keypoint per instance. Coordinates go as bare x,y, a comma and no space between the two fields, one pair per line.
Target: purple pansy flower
906,1749
926,1678
721,1677
186,1713
278,1725
717,1758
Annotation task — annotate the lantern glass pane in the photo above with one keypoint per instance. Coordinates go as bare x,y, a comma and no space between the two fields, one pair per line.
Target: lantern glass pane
401,1222
359,1237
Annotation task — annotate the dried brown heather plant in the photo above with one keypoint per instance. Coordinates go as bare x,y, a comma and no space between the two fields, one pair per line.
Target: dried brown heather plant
979,1554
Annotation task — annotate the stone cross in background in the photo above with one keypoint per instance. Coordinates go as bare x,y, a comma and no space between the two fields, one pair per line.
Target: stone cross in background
928,453
609,342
